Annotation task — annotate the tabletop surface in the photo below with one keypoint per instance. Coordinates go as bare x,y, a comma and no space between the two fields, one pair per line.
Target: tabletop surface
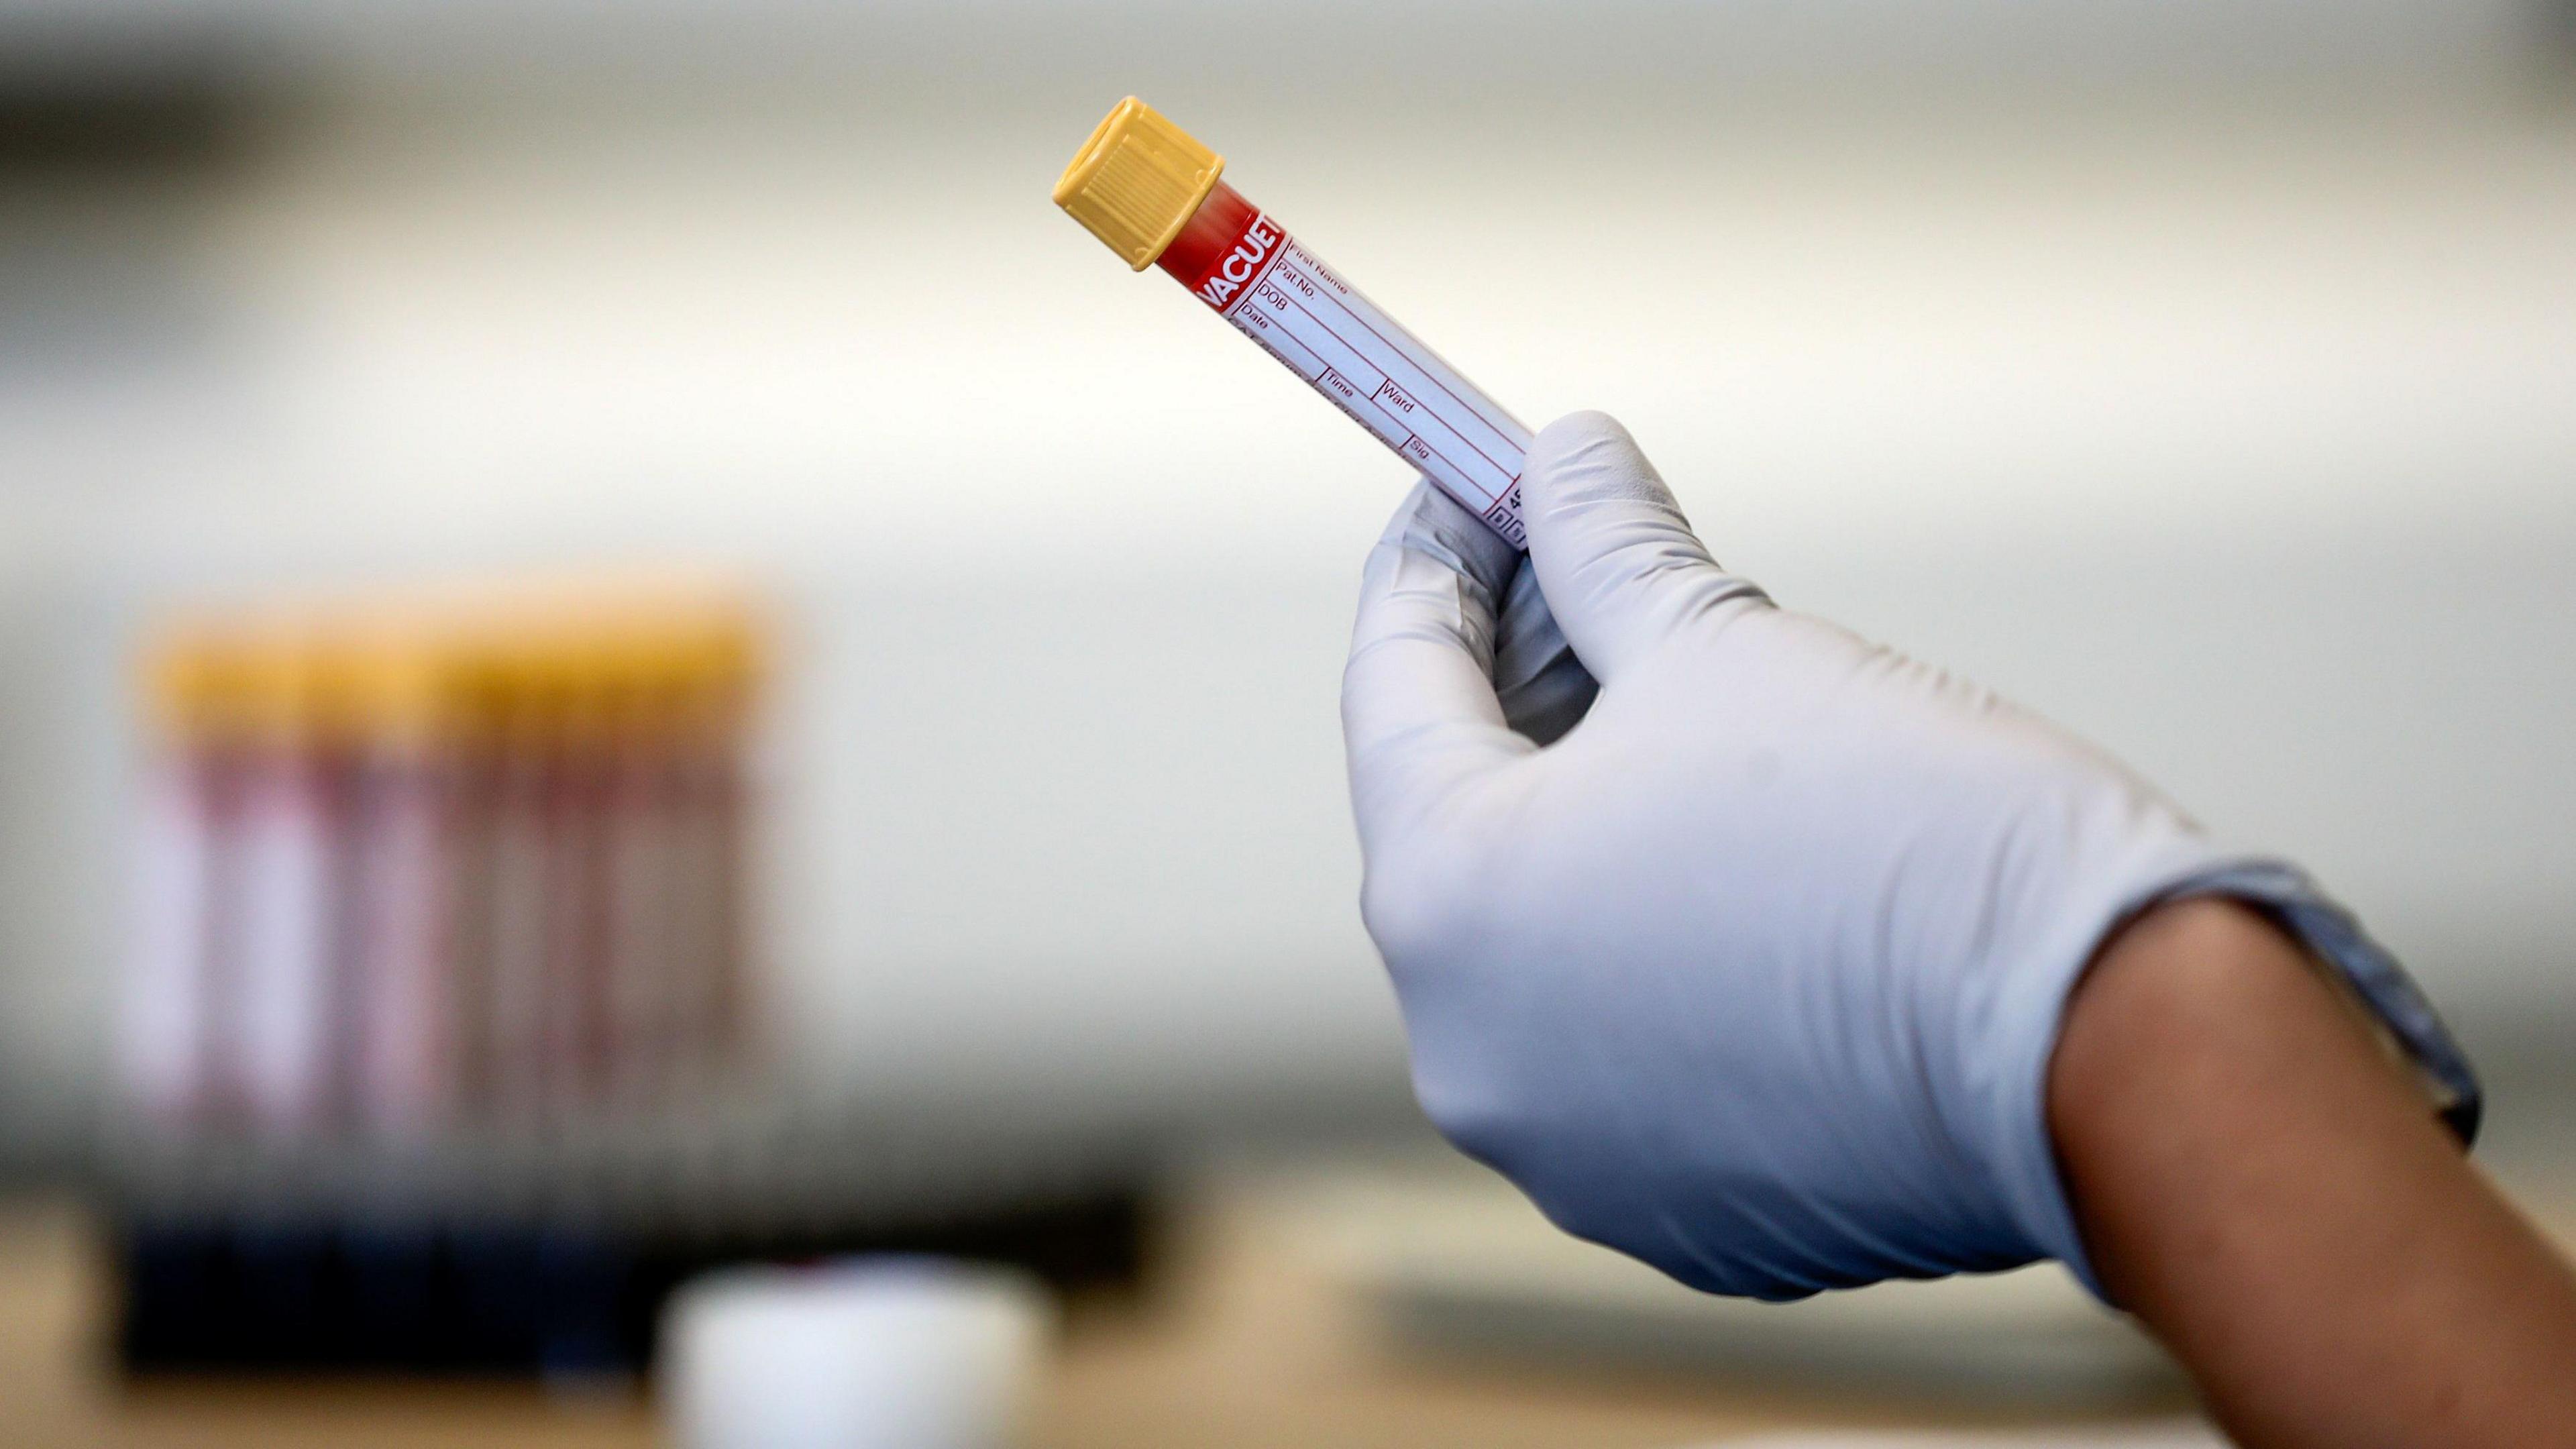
1237,1341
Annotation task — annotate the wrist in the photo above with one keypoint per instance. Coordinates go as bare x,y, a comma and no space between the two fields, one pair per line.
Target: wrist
2274,1198
2189,1023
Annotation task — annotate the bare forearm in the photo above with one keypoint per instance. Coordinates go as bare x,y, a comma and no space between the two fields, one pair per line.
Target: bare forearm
2260,1185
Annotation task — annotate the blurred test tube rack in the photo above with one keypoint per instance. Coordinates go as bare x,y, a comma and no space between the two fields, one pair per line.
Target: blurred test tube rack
439,1044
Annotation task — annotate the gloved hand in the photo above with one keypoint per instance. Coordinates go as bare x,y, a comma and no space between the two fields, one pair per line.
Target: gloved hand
1754,973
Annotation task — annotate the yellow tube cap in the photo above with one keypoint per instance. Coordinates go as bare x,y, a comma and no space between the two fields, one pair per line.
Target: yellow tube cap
1137,182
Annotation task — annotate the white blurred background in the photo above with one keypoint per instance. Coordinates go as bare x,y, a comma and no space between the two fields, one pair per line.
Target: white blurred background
2203,374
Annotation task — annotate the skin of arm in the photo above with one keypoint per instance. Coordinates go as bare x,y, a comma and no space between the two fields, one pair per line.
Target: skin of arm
2259,1183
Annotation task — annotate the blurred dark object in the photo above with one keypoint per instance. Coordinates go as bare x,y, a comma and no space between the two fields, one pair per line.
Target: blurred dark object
510,1298
156,115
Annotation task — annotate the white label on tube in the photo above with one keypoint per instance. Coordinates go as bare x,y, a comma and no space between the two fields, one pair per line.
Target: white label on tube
284,1011
1305,315
164,1019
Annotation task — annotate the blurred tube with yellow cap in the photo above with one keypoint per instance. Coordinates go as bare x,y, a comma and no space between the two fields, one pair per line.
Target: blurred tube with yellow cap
410,863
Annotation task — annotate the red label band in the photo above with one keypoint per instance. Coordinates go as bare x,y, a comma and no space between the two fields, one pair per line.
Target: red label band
1223,249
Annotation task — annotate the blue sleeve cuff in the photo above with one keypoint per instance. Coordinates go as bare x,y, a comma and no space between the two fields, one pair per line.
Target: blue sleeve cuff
2380,985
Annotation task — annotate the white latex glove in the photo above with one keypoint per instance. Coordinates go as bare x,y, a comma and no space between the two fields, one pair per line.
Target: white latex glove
1755,972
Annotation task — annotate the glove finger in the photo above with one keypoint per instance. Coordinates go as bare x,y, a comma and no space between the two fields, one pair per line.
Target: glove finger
1544,688
1419,712
1618,561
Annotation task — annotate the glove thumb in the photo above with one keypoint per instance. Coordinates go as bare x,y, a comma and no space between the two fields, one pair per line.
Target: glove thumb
1616,559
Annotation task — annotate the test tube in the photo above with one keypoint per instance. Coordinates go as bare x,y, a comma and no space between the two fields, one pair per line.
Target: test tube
196,686
292,848
1153,194
403,867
